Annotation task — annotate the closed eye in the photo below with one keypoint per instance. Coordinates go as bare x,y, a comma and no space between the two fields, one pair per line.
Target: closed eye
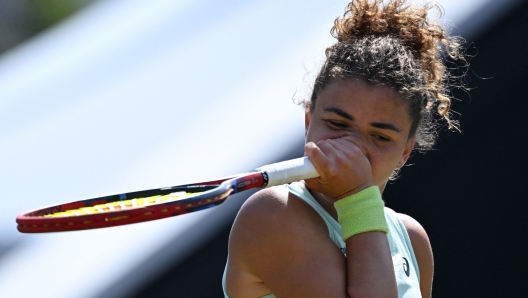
336,124
381,138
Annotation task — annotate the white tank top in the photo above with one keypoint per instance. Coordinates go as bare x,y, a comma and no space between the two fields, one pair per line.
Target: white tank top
403,258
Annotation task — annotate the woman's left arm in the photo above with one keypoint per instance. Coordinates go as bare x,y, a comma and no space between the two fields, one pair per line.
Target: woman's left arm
423,252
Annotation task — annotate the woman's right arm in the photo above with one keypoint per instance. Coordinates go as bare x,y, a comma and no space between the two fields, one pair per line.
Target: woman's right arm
280,244
369,266
345,170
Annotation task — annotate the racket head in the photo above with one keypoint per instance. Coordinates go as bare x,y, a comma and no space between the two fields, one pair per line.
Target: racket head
211,192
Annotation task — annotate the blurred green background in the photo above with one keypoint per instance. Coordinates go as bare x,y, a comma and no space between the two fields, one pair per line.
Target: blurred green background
22,19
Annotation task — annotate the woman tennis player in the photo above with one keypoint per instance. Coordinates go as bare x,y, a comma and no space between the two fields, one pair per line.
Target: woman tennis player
375,99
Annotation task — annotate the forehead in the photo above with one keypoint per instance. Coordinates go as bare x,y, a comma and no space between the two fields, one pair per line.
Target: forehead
362,100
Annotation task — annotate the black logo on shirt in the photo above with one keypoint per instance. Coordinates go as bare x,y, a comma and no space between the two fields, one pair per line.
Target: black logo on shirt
406,267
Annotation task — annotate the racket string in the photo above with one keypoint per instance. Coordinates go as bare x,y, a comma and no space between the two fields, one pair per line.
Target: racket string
125,204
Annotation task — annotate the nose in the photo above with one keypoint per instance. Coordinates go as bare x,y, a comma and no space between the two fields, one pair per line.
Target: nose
358,139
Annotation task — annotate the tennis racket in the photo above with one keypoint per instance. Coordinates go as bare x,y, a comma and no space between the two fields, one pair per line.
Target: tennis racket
146,205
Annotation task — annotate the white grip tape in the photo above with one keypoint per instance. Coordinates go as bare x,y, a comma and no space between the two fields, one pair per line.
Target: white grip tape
289,171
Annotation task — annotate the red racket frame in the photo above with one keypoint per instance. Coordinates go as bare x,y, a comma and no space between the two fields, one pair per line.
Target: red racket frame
214,193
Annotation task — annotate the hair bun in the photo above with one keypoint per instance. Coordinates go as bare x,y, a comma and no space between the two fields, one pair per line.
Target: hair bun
374,17
410,25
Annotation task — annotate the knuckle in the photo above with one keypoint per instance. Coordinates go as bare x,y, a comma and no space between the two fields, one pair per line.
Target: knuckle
341,158
333,172
356,150
310,148
324,143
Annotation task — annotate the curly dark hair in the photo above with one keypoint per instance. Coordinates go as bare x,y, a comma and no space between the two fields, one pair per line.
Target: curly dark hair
394,44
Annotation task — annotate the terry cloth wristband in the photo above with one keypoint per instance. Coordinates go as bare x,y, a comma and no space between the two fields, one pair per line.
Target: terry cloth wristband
361,212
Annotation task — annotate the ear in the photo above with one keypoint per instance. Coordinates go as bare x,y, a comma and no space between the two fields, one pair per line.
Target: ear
406,153
307,118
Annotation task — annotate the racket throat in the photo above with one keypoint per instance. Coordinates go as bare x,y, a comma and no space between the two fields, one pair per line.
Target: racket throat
249,181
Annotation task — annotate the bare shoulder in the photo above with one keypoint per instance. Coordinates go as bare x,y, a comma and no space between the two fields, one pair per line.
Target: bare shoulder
276,206
422,250
271,219
278,241
266,204
415,230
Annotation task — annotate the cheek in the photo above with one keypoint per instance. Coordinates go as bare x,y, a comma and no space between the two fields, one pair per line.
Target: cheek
383,162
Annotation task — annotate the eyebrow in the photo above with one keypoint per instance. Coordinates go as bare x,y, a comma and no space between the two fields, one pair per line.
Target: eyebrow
339,112
346,115
385,126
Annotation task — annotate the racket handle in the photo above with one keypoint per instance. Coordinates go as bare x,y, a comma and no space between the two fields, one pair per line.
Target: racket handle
289,171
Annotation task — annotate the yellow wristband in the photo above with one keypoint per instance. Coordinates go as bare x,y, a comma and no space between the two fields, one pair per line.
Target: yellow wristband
361,212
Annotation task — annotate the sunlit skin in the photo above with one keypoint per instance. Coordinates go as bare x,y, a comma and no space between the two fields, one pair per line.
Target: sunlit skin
356,136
